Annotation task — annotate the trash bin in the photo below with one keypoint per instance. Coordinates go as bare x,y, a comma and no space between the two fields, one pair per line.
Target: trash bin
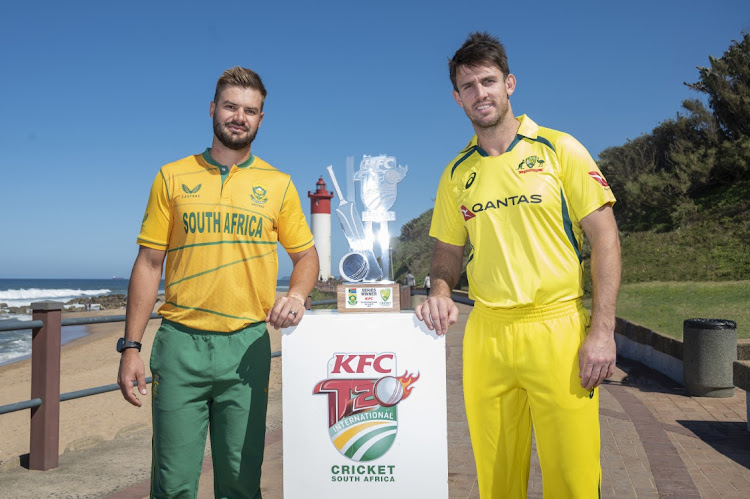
709,348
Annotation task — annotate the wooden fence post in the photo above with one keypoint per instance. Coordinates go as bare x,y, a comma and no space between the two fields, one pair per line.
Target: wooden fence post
405,297
45,384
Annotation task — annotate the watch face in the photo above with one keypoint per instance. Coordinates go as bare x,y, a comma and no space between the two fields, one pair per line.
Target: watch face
120,344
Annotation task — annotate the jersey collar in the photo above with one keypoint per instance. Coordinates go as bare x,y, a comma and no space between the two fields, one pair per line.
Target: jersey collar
211,161
527,128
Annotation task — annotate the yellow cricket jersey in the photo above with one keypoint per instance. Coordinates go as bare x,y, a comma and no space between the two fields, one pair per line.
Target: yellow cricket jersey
220,227
521,212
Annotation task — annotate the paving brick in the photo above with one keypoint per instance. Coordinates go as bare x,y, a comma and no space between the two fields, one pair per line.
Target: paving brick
625,491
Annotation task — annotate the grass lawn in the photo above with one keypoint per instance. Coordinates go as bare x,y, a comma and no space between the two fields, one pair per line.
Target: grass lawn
663,306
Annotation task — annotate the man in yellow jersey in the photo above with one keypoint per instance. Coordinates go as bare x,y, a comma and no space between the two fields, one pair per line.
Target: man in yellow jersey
525,196
217,218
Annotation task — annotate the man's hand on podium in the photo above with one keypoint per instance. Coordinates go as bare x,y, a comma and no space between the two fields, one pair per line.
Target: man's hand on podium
438,312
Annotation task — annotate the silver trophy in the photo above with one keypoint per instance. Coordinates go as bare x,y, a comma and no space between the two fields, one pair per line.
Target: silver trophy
378,176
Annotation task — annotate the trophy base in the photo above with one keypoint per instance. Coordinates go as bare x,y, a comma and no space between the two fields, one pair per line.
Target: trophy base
368,297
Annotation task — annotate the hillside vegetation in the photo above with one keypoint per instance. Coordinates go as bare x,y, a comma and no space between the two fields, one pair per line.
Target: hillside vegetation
683,189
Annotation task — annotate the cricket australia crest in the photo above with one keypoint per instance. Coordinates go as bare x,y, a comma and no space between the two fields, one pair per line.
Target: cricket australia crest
364,391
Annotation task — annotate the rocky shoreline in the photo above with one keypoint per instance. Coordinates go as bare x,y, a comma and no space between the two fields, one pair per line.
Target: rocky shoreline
103,302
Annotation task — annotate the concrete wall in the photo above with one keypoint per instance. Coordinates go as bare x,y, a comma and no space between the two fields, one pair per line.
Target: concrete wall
662,353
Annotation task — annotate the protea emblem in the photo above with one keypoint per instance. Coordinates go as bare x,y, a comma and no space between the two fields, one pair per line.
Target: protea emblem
258,194
363,392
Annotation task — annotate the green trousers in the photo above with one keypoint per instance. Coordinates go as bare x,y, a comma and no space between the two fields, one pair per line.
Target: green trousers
203,381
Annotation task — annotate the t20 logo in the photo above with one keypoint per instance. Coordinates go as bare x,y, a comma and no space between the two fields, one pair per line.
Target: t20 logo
363,393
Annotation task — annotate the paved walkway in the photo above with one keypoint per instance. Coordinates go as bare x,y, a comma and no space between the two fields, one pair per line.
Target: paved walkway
656,441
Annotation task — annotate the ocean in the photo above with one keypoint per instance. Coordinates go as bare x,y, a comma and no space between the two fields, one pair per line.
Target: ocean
16,345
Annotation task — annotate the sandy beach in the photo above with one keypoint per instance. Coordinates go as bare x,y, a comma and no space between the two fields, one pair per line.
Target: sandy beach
88,362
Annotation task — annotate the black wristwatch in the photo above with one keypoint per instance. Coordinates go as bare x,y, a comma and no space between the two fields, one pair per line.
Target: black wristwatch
123,344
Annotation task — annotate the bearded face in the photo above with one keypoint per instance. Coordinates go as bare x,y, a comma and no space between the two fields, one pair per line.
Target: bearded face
484,95
237,116
233,134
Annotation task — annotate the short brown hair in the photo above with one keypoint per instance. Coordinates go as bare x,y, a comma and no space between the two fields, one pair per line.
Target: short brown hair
240,77
480,47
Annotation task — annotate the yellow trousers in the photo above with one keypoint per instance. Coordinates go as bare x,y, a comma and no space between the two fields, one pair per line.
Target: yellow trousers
521,370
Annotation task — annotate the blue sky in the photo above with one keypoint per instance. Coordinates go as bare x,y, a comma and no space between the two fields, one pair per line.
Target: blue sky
96,96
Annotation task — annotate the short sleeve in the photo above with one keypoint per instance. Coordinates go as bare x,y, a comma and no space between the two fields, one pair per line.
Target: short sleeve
586,189
447,223
294,233
157,220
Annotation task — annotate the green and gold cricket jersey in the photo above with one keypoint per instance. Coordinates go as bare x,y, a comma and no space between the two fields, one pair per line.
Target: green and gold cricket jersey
521,211
220,227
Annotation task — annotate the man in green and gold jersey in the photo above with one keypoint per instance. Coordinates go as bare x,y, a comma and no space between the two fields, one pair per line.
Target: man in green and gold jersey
525,196
217,217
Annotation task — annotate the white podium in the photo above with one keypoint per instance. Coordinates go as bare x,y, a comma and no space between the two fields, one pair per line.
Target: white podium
364,407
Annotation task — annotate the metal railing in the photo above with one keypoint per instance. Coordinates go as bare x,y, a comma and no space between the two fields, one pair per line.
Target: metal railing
46,326
15,325
46,333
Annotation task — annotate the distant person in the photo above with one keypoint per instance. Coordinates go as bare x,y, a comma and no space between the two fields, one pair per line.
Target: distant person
427,282
525,195
410,280
217,217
